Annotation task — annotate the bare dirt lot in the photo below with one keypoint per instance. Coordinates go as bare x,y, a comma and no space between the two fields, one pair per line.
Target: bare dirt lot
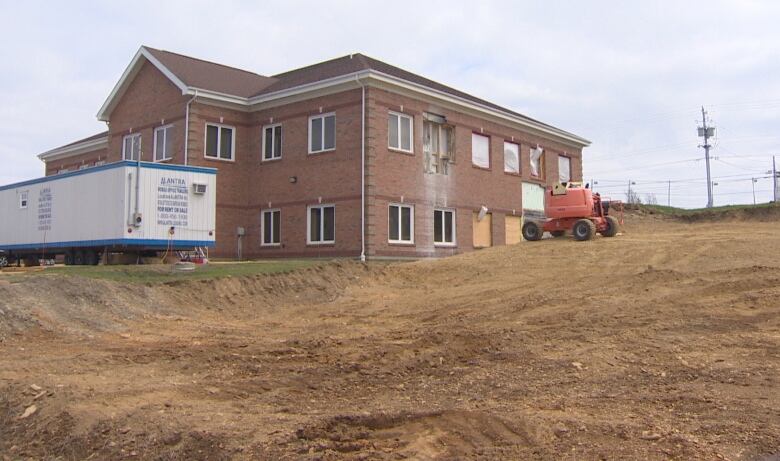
662,343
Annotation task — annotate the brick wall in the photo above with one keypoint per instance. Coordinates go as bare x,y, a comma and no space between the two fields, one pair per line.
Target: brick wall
75,162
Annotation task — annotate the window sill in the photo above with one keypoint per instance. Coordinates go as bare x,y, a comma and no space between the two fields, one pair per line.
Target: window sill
270,245
321,244
480,167
400,151
270,160
512,173
322,151
400,243
537,180
218,159
164,160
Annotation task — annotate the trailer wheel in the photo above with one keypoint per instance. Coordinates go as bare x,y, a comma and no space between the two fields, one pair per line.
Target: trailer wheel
558,233
613,226
583,230
78,258
532,231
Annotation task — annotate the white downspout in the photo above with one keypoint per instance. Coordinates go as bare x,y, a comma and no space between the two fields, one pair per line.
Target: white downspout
362,172
187,126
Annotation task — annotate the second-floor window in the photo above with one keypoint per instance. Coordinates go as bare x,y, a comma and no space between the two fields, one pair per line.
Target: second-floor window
220,141
511,157
272,142
400,132
131,147
537,162
480,150
564,168
322,133
163,143
438,146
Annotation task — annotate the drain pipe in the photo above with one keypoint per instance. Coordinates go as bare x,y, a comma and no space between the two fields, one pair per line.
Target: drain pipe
362,172
187,126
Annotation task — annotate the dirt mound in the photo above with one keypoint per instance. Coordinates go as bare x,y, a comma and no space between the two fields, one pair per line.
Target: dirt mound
769,213
86,306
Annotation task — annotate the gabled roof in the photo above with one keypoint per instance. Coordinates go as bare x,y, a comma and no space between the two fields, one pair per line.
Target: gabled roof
248,90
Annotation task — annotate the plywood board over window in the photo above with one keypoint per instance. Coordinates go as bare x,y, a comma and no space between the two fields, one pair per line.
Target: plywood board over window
483,230
513,229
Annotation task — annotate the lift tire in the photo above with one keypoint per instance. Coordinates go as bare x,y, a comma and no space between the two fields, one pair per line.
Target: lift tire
78,258
532,231
613,226
558,233
583,230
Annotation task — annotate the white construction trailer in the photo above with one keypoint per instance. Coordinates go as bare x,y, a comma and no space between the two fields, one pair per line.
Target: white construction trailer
124,207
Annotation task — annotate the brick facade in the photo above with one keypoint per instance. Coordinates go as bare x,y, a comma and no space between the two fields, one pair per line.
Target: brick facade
247,184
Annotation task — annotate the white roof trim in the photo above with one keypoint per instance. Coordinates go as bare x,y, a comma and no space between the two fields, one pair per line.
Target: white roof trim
75,149
128,75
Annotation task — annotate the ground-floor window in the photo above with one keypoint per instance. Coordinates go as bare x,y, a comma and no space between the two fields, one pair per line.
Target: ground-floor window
322,224
270,227
400,223
444,227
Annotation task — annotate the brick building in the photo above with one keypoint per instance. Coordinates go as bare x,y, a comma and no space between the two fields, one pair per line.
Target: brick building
347,157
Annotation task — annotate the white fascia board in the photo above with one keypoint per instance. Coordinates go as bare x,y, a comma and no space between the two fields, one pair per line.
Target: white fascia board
389,79
127,76
74,149
309,87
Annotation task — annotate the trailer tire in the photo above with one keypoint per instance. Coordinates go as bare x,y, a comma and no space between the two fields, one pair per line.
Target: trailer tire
78,258
532,231
583,230
558,233
613,225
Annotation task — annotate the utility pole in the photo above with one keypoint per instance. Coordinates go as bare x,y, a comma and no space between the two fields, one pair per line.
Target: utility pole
669,194
774,178
753,182
706,132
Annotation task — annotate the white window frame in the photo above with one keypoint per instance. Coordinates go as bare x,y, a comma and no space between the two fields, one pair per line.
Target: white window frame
164,130
568,159
541,166
24,199
475,135
83,166
219,139
100,162
400,224
262,228
265,134
309,241
335,130
401,115
454,242
124,146
516,144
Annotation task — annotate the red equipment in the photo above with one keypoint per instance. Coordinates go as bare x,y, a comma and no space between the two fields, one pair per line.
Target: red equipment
571,206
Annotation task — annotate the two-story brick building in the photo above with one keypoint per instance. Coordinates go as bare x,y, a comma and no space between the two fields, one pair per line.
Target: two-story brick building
348,157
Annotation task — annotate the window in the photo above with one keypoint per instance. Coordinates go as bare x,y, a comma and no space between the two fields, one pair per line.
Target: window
400,132
83,166
131,147
322,224
23,196
163,143
400,224
272,142
220,141
511,157
270,227
537,162
444,227
100,162
438,145
480,150
63,170
322,133
564,169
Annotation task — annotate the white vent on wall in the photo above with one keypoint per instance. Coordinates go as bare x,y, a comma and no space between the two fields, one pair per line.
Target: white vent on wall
199,189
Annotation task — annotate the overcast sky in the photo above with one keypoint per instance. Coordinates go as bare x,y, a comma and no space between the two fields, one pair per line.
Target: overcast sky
630,77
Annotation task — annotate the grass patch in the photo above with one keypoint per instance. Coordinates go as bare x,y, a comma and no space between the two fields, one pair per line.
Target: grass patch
662,209
161,273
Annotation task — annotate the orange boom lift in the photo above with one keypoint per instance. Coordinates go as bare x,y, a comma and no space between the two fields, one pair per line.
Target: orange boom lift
569,206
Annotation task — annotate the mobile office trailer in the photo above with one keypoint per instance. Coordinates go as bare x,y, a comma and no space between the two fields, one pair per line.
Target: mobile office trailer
122,207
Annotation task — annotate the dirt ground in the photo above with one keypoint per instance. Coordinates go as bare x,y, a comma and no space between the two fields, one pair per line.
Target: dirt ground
662,343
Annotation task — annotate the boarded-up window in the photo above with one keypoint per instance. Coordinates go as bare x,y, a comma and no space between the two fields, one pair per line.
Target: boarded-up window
483,230
511,157
480,150
564,169
438,147
513,229
537,162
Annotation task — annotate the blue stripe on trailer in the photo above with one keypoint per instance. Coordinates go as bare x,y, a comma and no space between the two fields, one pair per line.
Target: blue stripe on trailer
110,166
156,243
